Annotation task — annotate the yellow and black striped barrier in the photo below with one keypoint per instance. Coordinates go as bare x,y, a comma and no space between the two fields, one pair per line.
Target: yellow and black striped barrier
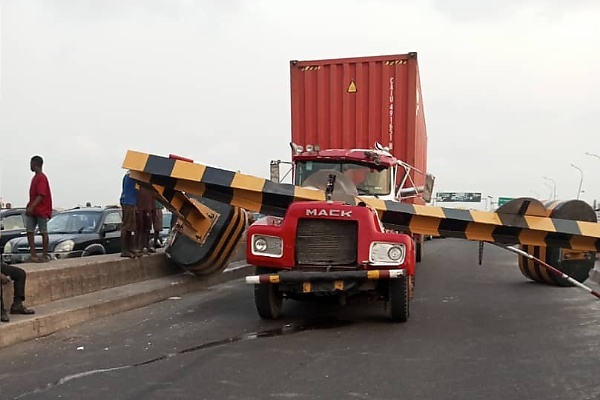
183,185
575,263
261,195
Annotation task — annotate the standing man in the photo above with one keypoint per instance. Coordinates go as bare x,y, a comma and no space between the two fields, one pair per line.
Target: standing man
129,195
145,211
157,222
39,209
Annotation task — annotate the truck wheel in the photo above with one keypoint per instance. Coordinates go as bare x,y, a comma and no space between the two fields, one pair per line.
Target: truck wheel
419,251
398,299
267,298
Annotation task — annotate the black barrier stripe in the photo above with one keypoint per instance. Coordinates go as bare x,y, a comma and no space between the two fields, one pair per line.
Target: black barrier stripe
218,193
164,181
567,226
218,257
453,228
235,235
513,220
157,165
524,263
397,215
506,234
536,266
169,194
456,223
218,177
394,206
458,215
551,276
276,198
554,239
393,220
218,184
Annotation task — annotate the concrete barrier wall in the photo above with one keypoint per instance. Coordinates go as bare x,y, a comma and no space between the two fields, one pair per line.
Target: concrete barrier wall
61,279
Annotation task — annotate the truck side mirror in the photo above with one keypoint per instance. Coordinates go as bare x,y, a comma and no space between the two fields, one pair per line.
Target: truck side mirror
428,189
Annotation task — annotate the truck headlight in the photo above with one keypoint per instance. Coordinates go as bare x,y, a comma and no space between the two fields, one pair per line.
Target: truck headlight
269,246
387,253
260,245
395,253
8,247
64,247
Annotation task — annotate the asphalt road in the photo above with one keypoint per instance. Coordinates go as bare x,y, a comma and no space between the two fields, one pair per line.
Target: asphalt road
475,332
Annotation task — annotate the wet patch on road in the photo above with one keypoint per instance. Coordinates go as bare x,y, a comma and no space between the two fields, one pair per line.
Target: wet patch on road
287,329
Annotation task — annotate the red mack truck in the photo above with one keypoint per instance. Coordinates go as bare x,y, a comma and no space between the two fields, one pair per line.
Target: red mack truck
358,129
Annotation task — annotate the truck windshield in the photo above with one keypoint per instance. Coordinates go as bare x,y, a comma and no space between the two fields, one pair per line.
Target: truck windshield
368,181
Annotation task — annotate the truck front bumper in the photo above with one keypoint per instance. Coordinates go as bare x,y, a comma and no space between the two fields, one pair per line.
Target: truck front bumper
301,277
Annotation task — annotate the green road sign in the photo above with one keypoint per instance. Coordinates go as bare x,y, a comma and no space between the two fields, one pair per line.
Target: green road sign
503,200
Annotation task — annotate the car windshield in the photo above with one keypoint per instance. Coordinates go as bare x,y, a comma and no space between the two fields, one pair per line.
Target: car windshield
74,222
368,181
12,222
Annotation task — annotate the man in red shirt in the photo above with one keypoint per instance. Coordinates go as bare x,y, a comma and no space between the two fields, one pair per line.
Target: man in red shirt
39,209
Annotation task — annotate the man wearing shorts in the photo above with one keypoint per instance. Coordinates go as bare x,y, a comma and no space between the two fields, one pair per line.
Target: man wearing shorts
129,194
39,209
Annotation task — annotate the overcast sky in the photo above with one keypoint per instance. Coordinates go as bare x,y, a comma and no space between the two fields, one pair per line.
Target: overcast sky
511,89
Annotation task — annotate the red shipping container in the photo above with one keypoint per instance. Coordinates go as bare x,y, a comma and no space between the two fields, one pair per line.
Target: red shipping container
351,103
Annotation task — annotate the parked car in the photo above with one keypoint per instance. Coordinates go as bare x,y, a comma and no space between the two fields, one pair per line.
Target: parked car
78,232
163,235
254,216
12,225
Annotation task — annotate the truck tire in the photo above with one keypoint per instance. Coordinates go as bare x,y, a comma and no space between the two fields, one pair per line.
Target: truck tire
418,251
267,298
398,299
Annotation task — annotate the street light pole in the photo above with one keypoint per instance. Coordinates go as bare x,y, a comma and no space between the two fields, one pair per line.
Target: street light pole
553,187
598,157
551,190
593,155
580,179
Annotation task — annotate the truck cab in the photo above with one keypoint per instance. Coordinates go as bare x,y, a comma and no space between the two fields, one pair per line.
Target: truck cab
374,172
333,248
368,173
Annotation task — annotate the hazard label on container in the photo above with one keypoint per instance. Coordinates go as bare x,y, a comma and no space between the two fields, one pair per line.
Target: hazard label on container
352,87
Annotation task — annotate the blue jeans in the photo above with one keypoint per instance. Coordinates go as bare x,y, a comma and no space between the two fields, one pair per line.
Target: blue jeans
31,221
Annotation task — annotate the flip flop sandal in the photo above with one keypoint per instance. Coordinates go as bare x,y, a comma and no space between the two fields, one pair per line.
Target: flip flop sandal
128,255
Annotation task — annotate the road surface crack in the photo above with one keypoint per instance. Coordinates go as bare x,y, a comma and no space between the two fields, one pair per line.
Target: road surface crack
287,329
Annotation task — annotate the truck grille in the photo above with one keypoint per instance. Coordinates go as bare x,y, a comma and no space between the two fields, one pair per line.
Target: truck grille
325,242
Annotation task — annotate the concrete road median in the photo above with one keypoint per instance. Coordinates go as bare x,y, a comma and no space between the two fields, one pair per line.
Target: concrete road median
70,292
